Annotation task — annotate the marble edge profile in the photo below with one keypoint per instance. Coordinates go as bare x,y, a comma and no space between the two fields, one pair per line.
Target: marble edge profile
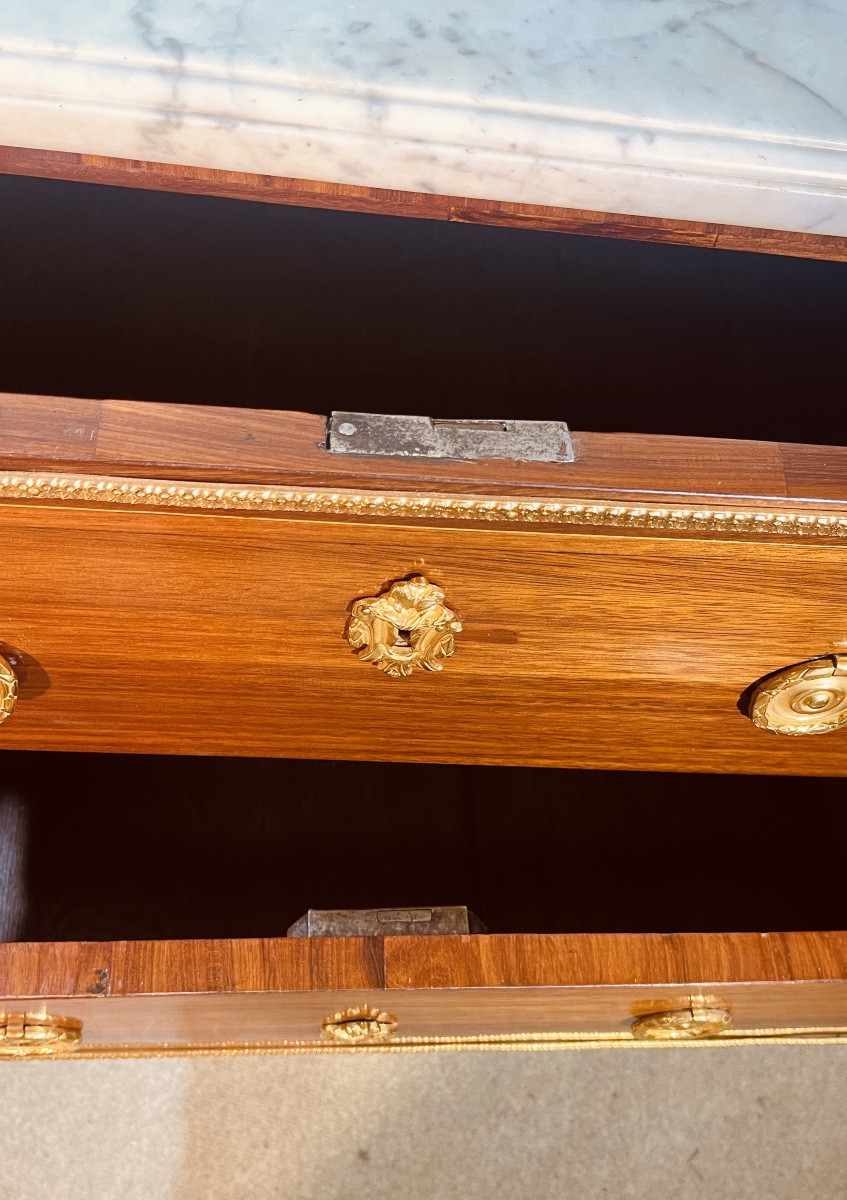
437,143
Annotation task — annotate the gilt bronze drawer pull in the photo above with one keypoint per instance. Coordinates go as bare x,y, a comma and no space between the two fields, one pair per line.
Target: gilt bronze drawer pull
33,1035
359,1026
702,1018
8,689
405,627
810,697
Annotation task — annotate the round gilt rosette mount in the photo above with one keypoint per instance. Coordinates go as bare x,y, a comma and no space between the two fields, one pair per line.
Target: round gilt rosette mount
8,689
807,698
37,1034
703,1018
363,1025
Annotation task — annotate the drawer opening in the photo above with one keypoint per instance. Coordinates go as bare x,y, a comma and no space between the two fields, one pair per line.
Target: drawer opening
130,294
102,847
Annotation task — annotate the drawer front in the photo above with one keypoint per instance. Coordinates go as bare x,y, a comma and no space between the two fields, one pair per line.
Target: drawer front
223,633
390,992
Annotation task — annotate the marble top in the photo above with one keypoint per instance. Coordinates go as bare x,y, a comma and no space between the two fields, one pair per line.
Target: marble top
730,112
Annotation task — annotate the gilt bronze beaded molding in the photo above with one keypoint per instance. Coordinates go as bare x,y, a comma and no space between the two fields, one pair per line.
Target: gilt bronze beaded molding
256,499
514,1042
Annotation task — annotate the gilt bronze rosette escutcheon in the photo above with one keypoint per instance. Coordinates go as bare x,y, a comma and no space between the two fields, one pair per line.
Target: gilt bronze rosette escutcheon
406,627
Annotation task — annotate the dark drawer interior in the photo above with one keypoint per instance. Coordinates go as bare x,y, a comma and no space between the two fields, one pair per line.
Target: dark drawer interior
113,292
106,847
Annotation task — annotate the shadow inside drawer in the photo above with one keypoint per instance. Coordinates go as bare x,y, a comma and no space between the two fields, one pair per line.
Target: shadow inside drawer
104,847
142,295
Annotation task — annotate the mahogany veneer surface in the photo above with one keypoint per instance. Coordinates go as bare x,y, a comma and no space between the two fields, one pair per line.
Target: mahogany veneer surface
152,630
217,634
242,992
192,441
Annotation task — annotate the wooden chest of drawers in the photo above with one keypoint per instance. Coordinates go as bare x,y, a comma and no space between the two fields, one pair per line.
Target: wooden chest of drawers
210,581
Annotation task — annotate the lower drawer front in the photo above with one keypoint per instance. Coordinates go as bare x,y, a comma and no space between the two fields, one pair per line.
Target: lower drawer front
207,633
340,993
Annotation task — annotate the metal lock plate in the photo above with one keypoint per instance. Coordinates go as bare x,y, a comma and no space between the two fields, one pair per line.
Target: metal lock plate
430,437
386,922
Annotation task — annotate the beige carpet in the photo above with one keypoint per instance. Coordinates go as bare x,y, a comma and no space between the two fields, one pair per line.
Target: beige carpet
753,1123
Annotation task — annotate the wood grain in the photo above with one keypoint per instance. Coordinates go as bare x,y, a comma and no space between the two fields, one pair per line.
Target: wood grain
117,172
145,440
819,471
171,632
604,650
184,993
599,960
346,963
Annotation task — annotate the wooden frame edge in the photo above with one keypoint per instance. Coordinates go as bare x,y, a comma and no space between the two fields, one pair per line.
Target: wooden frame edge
312,193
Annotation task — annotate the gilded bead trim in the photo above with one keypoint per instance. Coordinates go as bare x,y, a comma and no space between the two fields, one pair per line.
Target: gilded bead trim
173,494
808,1036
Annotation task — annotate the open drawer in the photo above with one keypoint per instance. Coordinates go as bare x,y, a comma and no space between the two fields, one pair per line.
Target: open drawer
148,897
174,592
391,993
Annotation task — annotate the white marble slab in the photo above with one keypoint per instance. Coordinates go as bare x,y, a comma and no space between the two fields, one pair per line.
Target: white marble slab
726,111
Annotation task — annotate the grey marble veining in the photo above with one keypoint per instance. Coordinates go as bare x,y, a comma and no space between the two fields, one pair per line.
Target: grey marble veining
732,111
